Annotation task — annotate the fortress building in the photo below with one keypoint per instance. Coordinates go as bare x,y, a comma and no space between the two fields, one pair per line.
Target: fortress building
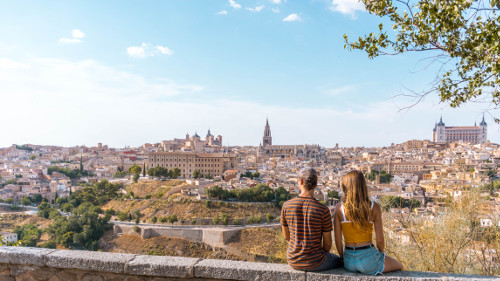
266,148
470,134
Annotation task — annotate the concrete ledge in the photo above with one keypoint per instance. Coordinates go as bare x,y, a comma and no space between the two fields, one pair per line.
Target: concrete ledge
240,270
88,260
341,274
24,255
161,266
44,264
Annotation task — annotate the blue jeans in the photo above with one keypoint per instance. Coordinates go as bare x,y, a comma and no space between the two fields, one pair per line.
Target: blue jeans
331,261
368,261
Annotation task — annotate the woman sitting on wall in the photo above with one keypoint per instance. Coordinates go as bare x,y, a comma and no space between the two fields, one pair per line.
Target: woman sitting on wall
354,219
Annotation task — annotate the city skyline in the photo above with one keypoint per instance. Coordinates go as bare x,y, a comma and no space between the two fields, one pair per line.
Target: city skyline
128,73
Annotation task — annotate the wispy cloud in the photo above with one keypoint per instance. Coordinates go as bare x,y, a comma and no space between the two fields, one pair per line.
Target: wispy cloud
275,10
341,90
148,50
222,13
347,7
76,37
275,1
292,17
256,9
233,4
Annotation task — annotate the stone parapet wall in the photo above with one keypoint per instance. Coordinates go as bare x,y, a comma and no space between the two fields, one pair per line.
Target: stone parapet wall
21,263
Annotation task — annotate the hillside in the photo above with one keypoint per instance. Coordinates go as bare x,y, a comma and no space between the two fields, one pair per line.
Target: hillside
164,199
268,244
160,246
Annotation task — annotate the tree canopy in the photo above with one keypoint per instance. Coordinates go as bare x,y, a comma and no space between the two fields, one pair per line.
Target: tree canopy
463,36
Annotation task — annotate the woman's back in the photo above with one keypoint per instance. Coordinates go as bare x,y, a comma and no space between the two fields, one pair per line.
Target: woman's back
354,234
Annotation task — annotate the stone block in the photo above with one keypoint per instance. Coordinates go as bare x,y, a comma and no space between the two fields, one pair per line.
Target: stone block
24,255
239,270
341,274
88,260
164,266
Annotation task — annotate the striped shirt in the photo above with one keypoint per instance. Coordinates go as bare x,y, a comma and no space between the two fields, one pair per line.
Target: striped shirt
306,219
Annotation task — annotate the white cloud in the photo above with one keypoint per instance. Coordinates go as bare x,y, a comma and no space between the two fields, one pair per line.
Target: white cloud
292,17
233,4
256,9
77,33
76,37
347,7
165,50
275,10
223,13
148,50
275,1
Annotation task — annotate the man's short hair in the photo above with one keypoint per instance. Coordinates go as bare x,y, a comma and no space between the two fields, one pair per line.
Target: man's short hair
310,177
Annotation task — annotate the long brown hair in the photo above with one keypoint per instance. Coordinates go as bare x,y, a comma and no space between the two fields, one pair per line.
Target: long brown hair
356,202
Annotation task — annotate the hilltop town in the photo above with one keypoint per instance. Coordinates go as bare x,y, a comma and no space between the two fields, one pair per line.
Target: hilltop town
175,181
416,170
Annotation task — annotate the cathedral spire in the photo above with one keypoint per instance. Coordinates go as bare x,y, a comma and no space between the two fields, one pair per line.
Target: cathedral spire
267,139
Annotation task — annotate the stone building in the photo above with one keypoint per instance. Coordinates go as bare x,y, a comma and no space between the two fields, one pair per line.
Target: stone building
470,134
266,148
208,164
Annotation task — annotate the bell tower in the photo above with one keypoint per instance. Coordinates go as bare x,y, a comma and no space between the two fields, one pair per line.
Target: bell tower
267,139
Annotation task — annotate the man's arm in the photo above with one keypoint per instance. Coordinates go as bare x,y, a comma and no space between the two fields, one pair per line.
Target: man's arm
286,233
327,241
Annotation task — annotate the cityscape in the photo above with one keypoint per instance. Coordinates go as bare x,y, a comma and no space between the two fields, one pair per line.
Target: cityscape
249,140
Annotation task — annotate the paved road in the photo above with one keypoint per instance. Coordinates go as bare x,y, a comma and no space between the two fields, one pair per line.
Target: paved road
195,226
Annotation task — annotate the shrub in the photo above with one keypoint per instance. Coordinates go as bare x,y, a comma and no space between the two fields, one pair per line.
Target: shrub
154,219
163,219
137,229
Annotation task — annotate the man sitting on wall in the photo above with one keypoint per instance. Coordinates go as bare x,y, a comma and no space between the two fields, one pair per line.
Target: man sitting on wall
307,226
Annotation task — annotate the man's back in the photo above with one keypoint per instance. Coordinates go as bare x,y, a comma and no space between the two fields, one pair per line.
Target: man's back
306,220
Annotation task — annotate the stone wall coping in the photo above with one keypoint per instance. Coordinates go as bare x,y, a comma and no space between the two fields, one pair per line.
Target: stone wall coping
187,268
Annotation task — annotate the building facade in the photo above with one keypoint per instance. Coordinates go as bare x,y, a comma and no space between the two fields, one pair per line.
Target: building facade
208,164
266,148
470,134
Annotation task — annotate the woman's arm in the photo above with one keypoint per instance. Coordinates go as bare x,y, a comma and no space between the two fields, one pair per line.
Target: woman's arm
379,228
337,228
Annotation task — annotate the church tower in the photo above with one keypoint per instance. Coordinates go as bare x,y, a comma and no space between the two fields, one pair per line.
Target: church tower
483,131
267,139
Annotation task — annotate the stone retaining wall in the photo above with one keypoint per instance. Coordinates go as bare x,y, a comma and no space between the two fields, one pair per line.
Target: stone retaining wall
215,237
21,263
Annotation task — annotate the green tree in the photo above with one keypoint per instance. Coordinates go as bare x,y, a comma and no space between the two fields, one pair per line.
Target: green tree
32,157
196,174
26,201
154,219
175,173
136,178
462,35
333,194
224,219
172,219
216,219
122,216
43,210
135,169
269,217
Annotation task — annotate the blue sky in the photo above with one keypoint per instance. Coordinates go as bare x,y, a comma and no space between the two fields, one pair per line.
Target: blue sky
131,72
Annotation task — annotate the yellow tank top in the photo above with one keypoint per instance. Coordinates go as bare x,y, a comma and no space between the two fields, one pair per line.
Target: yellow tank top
353,234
